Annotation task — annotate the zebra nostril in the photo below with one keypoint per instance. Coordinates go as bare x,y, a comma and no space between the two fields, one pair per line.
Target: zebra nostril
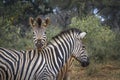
39,44
85,63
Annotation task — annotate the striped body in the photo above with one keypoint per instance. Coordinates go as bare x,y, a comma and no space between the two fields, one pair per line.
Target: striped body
15,65
45,64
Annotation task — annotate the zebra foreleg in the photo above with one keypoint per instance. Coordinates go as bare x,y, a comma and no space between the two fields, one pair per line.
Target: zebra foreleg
68,69
67,75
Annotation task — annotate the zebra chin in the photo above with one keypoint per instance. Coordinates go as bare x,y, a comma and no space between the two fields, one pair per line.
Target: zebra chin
39,45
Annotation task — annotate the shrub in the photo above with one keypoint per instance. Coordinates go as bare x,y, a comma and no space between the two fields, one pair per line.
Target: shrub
52,31
98,39
10,36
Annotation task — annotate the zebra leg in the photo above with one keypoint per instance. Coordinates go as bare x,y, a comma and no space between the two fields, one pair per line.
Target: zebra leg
68,69
67,75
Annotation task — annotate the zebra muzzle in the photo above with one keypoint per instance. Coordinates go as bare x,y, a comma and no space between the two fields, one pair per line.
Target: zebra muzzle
39,44
85,63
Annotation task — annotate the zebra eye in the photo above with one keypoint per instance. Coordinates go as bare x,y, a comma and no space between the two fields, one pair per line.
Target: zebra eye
83,46
33,33
45,32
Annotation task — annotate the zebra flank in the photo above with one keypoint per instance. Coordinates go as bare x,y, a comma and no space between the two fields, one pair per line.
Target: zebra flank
44,64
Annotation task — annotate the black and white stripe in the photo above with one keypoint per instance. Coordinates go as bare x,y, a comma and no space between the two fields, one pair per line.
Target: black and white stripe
43,65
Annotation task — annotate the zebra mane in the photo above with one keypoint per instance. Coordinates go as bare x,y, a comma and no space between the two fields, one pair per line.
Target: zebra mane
74,30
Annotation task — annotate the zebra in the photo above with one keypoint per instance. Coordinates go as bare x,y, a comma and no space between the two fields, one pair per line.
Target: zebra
44,64
39,31
65,71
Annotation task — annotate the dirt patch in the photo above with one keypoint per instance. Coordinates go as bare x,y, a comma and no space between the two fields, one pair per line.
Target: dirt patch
109,71
110,67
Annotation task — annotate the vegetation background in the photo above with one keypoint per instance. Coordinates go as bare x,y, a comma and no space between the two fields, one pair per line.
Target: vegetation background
99,18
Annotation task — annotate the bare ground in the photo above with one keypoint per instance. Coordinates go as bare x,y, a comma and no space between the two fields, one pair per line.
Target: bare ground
106,71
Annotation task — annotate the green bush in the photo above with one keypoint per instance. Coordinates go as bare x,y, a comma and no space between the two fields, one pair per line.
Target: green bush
10,36
52,31
115,47
99,39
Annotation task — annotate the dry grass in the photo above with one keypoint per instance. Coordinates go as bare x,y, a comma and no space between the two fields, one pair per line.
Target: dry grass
106,71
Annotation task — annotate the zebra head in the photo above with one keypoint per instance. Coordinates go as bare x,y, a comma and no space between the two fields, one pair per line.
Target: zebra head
39,31
80,52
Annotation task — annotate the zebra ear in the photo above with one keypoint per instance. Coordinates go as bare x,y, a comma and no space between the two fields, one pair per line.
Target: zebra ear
82,35
31,21
47,21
